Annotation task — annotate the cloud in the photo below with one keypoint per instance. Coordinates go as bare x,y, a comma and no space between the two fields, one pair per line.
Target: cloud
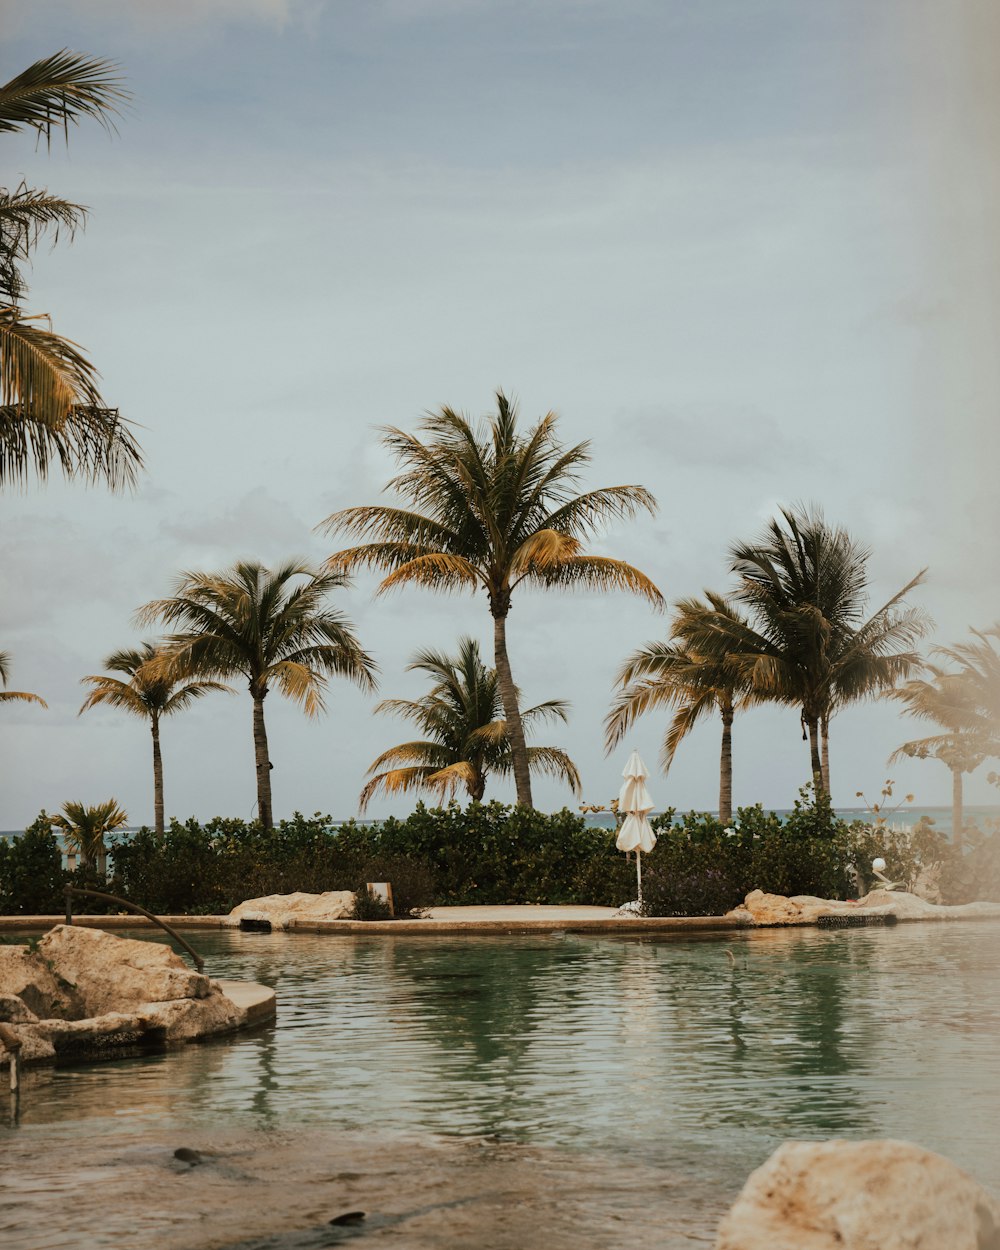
160,14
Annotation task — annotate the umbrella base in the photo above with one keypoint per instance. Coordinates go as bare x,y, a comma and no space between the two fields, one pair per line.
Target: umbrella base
626,910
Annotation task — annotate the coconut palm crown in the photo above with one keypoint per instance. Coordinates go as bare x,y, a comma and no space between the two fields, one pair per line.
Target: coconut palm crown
492,509
690,674
51,410
83,828
805,587
257,623
151,692
466,734
14,696
964,701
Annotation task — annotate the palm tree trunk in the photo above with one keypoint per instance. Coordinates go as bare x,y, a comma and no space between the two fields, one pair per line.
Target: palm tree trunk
726,768
957,818
512,713
812,728
157,776
824,729
263,762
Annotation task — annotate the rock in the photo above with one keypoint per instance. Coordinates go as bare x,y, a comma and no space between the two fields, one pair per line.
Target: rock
25,975
186,1155
14,1010
282,910
871,1195
95,1035
113,974
774,909
86,992
36,1044
181,1020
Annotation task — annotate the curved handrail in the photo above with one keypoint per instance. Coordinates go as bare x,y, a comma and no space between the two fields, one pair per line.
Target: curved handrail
70,890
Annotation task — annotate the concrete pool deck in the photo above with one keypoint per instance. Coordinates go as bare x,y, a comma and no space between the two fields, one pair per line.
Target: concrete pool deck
550,918
530,918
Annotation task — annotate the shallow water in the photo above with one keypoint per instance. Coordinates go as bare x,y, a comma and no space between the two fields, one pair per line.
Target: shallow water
683,1062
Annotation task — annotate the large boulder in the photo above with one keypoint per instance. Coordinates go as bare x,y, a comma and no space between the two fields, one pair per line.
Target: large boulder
760,909
87,992
111,973
283,910
25,976
869,1195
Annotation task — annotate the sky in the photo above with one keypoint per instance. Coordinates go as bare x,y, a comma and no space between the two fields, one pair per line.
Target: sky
746,248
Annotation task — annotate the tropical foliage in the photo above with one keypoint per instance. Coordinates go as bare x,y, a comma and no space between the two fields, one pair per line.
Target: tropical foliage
807,642
963,701
489,508
271,627
83,829
691,675
466,733
51,410
14,696
151,692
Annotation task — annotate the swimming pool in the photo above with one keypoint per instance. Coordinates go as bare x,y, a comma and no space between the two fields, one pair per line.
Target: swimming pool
694,1057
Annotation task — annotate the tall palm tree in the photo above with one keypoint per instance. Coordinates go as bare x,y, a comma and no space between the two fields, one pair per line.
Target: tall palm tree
151,692
467,739
805,586
965,703
83,829
492,509
12,696
690,674
253,622
51,410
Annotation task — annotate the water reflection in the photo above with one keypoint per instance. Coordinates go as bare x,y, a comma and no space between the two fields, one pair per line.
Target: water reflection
697,1055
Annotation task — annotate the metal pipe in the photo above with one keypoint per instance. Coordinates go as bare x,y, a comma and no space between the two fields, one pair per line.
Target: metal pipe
139,911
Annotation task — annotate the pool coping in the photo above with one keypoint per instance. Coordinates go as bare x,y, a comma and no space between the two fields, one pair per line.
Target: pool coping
442,928
400,928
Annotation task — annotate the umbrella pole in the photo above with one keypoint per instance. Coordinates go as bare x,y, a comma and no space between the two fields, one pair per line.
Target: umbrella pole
638,872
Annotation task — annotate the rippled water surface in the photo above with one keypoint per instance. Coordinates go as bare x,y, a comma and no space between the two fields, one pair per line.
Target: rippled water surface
697,1057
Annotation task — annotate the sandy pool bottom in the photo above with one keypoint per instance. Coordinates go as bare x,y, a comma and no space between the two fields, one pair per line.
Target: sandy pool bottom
280,1190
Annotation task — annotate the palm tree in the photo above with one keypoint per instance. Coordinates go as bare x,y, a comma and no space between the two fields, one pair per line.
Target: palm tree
253,622
805,584
965,703
11,696
492,509
690,674
51,410
151,692
467,739
83,829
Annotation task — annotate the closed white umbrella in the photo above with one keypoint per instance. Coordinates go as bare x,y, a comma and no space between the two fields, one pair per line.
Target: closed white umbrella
636,833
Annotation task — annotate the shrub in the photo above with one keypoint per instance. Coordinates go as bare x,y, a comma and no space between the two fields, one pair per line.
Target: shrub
31,872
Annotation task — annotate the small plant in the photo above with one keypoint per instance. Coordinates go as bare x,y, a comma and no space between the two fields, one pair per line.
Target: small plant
368,906
878,811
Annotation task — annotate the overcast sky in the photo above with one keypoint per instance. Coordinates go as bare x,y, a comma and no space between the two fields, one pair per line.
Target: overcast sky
746,247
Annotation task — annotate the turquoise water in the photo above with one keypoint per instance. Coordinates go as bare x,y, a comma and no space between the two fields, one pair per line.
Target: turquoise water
697,1056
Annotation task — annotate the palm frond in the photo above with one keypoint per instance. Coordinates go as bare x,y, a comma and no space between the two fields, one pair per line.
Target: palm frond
58,90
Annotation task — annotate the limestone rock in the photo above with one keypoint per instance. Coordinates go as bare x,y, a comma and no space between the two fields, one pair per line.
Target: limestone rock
95,1035
25,975
184,1020
774,909
910,907
36,1044
115,974
871,1195
14,1010
281,910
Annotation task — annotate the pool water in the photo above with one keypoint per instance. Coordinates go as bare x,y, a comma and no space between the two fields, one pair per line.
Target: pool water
696,1057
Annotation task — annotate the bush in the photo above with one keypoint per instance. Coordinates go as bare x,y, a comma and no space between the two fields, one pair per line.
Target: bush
31,872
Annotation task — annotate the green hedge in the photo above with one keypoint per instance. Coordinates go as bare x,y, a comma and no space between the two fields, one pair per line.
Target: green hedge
486,853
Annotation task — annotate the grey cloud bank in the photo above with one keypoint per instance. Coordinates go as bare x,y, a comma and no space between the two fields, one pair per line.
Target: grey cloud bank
705,235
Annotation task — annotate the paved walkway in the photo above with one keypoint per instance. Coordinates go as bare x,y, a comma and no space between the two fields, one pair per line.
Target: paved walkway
534,911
